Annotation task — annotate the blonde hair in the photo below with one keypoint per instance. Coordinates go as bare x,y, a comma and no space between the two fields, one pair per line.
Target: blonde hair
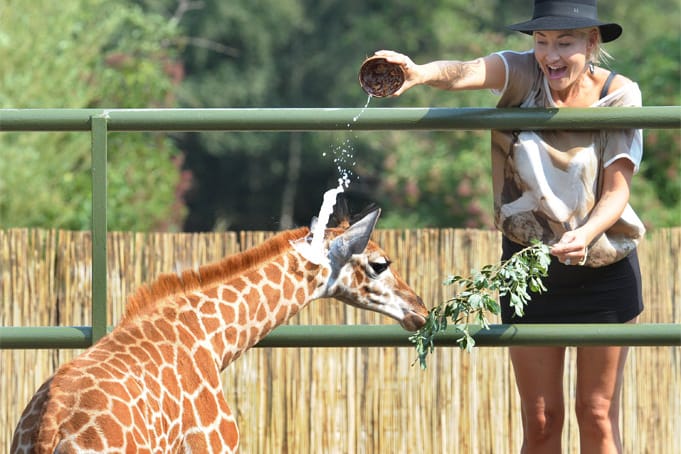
598,54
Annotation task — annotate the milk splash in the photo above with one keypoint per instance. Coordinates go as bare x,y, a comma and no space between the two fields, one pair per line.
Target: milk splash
356,117
314,250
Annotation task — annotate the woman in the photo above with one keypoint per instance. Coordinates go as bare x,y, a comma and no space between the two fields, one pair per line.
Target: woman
569,189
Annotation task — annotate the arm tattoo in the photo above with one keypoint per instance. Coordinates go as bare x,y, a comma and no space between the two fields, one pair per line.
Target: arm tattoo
452,72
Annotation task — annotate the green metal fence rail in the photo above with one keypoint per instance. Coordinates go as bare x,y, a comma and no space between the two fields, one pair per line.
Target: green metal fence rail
101,121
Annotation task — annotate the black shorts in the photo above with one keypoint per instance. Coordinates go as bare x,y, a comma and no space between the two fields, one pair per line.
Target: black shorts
581,294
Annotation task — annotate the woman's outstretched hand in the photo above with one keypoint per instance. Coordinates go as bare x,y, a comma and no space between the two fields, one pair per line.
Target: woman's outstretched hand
412,76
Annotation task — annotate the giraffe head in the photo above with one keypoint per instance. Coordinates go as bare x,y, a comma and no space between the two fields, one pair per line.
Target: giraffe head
360,275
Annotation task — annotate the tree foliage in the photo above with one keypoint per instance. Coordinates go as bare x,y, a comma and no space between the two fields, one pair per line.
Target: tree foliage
288,53
77,54
304,53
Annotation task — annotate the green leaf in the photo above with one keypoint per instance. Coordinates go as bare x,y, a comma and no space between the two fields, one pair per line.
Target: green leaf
476,297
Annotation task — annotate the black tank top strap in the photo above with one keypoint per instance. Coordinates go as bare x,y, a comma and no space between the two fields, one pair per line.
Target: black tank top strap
606,85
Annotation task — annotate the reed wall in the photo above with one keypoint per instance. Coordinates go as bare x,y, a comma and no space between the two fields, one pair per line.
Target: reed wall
333,400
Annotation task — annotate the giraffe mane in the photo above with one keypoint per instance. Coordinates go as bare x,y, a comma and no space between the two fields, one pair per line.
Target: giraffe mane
190,280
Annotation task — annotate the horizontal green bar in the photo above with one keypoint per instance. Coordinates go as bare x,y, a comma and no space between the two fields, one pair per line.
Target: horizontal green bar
319,119
652,334
33,337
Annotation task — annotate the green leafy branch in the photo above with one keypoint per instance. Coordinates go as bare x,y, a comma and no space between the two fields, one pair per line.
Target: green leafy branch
477,295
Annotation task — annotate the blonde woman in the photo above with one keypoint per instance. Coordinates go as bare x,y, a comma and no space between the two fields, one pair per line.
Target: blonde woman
569,189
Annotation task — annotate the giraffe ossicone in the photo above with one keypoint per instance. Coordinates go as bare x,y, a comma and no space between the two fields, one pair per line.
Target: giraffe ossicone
153,383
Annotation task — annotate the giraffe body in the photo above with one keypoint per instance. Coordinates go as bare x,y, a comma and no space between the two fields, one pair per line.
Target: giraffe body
153,384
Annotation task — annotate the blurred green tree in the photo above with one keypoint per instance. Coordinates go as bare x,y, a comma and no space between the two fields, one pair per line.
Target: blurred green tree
78,54
304,53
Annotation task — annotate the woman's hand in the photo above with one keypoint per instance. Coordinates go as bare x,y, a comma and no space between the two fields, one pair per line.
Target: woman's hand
412,76
572,249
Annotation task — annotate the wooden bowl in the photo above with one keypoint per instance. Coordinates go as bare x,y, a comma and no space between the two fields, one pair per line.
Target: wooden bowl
380,78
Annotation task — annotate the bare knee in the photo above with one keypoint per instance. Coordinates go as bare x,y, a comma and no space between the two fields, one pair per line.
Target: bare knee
542,425
597,418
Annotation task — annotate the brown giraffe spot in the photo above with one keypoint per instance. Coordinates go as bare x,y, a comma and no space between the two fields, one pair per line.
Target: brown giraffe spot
168,353
139,423
125,338
114,432
119,363
114,388
205,362
282,314
273,274
132,386
93,399
78,420
243,319
173,431
215,442
122,411
191,321
189,379
210,324
153,386
92,438
231,335
206,407
242,341
239,284
309,266
185,336
167,330
99,371
152,351
261,314
228,313
151,332
208,308
170,381
197,443
188,418
271,293
131,441
138,353
170,406
229,431
227,294
135,332
289,288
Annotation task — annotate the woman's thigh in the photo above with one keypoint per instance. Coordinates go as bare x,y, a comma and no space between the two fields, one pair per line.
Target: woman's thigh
539,377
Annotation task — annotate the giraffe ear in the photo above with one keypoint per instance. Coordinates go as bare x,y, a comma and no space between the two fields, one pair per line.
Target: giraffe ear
355,239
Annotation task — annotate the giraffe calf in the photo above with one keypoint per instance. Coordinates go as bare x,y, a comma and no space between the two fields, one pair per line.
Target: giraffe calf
153,384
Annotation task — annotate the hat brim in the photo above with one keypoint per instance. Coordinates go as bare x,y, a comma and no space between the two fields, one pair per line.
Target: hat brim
609,31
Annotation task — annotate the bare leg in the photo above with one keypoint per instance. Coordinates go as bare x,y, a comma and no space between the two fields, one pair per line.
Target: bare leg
539,377
599,388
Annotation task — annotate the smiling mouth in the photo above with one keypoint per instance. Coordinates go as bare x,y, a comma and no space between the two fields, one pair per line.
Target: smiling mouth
556,72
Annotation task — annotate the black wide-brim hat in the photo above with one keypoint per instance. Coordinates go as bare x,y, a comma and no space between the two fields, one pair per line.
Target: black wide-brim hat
567,15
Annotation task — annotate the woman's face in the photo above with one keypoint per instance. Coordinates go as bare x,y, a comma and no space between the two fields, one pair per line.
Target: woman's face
562,55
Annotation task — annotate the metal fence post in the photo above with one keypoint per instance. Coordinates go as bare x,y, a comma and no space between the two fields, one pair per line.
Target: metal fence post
98,126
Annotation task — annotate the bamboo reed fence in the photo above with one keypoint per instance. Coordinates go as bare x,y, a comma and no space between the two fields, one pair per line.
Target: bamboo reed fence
341,400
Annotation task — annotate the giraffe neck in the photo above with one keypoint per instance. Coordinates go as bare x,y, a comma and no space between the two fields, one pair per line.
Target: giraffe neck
234,315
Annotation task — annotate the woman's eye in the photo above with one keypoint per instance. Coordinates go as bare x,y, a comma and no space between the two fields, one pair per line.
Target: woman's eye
379,267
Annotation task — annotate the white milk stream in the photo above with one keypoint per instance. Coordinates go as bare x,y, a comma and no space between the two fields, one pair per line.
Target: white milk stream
314,250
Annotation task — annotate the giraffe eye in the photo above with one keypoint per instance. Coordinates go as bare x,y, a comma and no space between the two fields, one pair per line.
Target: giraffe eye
379,267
